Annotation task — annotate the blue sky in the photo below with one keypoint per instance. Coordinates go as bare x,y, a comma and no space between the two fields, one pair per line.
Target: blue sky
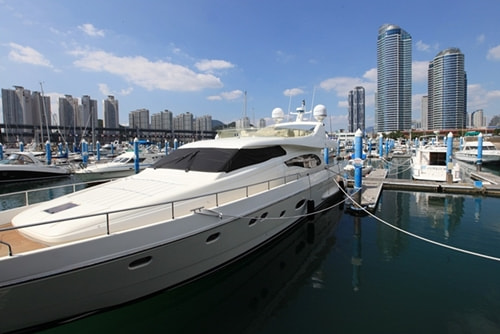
201,56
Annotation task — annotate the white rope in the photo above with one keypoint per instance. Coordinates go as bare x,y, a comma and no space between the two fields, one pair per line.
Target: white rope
417,236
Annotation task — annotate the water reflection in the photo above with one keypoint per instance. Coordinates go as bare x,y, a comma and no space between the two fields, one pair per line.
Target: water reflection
356,259
237,298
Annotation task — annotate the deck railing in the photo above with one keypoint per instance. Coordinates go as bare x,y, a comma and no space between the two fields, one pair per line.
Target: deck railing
196,203
27,195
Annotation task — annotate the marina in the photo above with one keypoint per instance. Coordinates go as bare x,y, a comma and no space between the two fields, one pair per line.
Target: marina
196,210
424,262
363,199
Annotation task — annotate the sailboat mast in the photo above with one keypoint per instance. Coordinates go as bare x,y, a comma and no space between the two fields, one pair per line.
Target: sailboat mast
44,114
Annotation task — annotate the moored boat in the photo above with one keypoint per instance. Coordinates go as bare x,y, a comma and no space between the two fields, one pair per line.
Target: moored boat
203,206
429,164
469,152
120,166
25,166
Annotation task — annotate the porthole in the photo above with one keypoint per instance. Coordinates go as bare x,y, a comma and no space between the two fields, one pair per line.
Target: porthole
252,221
282,213
139,263
300,204
264,215
213,237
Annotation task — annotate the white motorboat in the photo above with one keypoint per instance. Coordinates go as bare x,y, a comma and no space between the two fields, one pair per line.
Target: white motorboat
199,208
25,166
468,152
121,166
429,164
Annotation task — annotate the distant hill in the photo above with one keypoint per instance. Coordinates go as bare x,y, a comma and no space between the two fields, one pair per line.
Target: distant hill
217,124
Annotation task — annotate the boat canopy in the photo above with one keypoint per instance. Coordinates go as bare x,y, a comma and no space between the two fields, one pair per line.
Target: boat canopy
217,160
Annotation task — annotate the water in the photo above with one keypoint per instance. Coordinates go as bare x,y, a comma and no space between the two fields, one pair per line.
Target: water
352,275
345,274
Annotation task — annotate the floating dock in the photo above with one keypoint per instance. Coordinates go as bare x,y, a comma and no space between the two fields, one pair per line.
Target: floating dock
486,184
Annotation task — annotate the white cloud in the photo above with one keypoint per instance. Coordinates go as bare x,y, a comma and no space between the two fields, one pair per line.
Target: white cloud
105,90
494,53
342,85
26,54
480,39
207,65
214,98
371,75
145,73
419,71
233,95
480,98
421,46
90,30
293,92
228,96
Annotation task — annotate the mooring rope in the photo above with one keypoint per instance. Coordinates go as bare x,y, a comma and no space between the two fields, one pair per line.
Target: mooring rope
415,235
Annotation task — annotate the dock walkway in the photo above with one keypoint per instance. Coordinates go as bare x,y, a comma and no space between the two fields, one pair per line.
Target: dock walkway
376,181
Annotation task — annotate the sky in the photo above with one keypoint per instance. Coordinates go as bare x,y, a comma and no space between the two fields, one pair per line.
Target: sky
231,58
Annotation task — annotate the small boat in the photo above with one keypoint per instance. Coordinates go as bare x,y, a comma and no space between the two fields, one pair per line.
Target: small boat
121,166
366,167
429,164
25,166
203,206
468,152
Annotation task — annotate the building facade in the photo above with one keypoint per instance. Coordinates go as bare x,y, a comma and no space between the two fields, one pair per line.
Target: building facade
88,113
356,109
138,119
111,114
477,119
393,98
424,112
203,123
447,90
184,122
68,111
162,121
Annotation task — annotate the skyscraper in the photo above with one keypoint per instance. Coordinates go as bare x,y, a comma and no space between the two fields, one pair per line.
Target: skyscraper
356,109
393,97
88,113
447,90
111,113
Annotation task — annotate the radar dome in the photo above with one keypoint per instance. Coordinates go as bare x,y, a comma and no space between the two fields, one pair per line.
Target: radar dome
319,112
278,114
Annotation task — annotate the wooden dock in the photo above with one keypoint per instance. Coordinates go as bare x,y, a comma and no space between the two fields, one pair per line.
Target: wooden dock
376,181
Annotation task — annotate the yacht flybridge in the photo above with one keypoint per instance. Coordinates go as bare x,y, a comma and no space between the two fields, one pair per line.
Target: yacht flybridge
195,210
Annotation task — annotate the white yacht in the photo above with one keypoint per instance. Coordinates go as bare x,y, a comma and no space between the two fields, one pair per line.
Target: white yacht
203,206
120,166
468,152
429,164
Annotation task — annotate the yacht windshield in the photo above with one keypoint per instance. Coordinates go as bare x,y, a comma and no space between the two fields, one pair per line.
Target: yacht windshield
216,160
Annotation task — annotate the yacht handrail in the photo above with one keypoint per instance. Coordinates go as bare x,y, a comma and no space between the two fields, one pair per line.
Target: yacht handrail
271,183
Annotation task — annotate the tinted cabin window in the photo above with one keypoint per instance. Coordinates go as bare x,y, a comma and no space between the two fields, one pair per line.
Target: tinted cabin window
305,161
217,160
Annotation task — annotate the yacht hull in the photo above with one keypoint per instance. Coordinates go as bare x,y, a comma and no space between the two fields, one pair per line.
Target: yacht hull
62,282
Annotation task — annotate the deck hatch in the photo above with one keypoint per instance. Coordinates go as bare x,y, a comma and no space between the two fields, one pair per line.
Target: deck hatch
60,208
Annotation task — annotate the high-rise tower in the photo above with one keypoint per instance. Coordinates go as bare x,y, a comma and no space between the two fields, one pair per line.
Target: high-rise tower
356,109
447,90
393,97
